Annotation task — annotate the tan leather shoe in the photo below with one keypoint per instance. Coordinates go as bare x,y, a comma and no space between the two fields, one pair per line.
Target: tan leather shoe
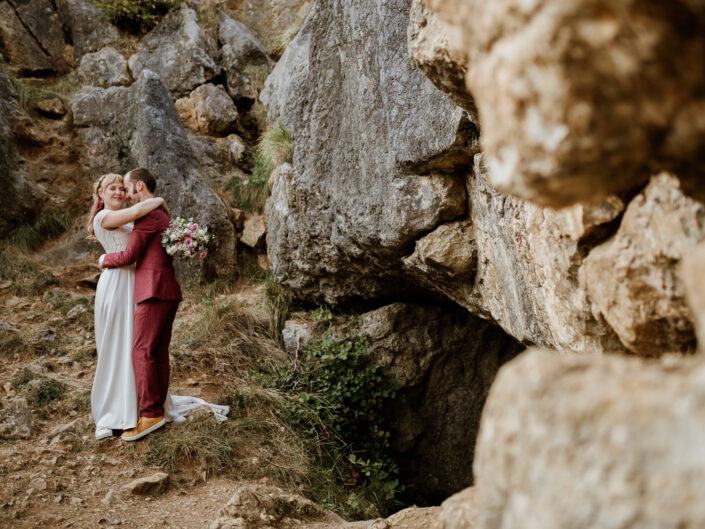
144,426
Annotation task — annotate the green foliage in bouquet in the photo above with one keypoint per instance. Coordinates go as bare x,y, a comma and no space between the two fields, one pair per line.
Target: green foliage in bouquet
136,15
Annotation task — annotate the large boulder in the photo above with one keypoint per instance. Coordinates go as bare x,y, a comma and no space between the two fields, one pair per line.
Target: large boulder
87,26
632,279
692,274
42,20
104,68
582,99
137,126
16,200
585,441
375,148
282,87
179,51
208,110
243,58
19,45
517,264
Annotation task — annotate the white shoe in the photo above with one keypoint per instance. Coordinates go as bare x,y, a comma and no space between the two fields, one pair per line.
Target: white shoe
102,433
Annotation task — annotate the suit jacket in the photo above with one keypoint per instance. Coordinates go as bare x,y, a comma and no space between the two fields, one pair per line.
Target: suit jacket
154,273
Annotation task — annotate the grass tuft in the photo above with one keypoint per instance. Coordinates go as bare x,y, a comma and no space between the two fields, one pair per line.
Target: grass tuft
48,226
46,392
273,149
12,342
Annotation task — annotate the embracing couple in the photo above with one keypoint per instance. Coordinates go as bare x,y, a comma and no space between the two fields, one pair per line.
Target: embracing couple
135,307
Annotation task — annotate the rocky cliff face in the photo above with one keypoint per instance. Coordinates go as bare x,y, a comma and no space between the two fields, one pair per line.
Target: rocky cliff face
387,196
559,94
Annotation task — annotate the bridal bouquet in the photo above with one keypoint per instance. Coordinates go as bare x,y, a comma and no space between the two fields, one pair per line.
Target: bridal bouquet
186,240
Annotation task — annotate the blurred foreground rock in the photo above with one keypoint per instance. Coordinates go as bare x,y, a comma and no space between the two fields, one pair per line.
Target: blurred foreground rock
693,277
582,99
586,441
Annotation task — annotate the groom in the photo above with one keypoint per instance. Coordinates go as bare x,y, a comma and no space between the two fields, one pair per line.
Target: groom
157,295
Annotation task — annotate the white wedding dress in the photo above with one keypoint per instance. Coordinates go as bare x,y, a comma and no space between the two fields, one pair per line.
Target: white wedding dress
114,393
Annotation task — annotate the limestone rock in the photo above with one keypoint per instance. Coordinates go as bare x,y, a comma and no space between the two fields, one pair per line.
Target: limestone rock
16,200
431,49
208,110
42,21
178,50
581,99
255,503
517,264
693,278
123,128
52,108
254,231
460,511
148,486
274,22
21,48
586,441
89,29
281,87
16,420
372,169
104,68
242,55
218,158
632,279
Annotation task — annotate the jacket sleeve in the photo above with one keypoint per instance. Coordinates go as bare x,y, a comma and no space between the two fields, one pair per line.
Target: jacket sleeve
142,234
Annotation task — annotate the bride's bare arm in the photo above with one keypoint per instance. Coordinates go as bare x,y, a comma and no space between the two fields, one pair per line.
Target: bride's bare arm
116,218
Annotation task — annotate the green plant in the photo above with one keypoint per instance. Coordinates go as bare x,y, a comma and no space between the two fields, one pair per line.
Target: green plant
136,15
273,148
335,398
50,225
25,376
249,195
322,313
46,392
12,342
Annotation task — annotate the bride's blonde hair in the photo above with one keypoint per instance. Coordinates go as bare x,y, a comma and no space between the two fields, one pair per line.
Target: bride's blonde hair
98,187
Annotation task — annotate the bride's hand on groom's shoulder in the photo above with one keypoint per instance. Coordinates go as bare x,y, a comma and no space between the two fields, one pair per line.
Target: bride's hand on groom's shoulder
162,204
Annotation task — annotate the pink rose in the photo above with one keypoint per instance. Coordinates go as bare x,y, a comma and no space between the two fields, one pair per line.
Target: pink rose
202,255
194,228
188,241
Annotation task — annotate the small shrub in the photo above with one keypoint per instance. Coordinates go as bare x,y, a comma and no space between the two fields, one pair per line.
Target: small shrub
25,376
273,149
250,195
136,15
46,392
336,396
12,342
322,313
31,92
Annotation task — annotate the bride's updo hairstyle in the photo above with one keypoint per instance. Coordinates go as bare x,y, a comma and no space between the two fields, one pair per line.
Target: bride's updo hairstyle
99,186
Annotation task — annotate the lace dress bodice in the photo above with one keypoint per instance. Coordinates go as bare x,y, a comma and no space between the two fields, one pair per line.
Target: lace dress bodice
112,240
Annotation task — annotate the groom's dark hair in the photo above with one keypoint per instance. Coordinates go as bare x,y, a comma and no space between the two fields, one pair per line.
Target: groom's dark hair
144,176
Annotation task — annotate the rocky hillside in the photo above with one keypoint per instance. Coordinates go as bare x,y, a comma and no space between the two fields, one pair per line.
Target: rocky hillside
462,179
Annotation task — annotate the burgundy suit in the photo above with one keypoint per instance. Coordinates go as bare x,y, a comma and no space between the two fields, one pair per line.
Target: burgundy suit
157,294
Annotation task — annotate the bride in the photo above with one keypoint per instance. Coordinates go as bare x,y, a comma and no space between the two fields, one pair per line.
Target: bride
114,393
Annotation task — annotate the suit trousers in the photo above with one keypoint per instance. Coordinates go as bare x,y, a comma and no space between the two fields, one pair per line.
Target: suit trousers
154,319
